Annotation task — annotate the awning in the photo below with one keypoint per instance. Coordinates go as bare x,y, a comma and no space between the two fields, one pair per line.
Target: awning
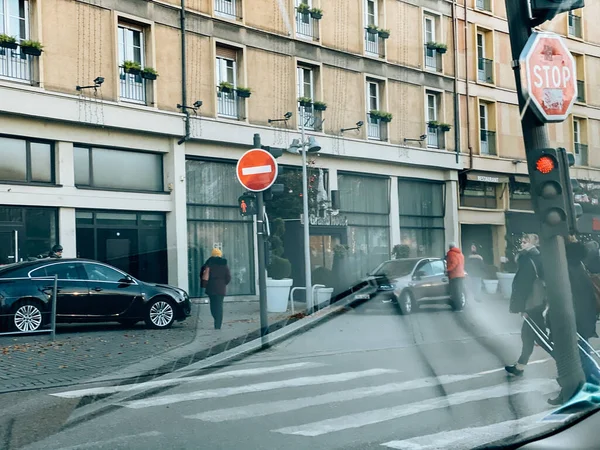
522,179
485,177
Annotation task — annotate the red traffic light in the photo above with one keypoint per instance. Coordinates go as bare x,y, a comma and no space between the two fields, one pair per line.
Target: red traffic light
545,164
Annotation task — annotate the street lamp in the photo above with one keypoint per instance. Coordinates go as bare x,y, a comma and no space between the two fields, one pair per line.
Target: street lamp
305,146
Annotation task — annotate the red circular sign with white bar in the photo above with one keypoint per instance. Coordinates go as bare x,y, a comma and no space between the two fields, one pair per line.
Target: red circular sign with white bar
548,76
257,170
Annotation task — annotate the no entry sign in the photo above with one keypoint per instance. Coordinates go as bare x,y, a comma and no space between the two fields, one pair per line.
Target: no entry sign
257,170
548,76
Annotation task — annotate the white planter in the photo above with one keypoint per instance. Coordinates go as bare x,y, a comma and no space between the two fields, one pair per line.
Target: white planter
505,281
323,295
491,286
278,293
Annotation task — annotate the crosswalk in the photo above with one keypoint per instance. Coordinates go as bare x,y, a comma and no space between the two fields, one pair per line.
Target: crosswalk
341,401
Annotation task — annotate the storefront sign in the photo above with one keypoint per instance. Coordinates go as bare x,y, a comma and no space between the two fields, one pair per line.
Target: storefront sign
328,220
487,178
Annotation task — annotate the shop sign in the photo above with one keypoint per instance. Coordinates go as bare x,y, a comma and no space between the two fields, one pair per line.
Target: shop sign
328,220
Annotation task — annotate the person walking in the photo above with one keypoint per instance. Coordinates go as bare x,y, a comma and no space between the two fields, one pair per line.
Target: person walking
215,277
55,252
528,299
592,257
455,266
475,267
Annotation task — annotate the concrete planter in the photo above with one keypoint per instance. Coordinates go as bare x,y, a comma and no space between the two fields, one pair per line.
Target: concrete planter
491,286
505,281
278,293
323,296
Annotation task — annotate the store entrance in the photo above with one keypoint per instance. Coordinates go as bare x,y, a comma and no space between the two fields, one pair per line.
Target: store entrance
9,246
480,235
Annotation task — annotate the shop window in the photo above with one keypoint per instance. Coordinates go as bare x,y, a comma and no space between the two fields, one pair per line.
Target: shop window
477,194
520,196
104,168
422,210
26,161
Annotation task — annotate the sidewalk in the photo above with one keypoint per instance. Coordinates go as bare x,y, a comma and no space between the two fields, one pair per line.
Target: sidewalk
83,352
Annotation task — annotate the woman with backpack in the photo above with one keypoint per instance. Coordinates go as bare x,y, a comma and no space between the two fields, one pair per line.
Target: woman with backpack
215,277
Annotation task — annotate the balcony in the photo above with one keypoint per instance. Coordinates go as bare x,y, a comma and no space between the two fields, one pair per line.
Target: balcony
228,8
377,129
133,87
574,25
581,154
231,105
581,91
436,138
374,45
488,142
484,5
15,65
306,26
485,70
433,59
313,119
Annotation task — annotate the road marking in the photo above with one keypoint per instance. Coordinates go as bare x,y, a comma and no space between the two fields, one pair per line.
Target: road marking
111,441
268,408
472,437
256,170
259,387
381,415
174,381
486,372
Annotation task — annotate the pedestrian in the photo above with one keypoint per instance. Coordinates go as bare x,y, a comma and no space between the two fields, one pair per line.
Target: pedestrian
215,277
55,252
475,267
592,257
528,299
455,265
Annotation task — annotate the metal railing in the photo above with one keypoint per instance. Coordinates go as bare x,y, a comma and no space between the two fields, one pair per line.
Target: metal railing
376,128
231,105
435,138
15,65
433,59
485,5
485,70
581,154
488,142
133,87
306,26
228,8
374,45
581,91
574,25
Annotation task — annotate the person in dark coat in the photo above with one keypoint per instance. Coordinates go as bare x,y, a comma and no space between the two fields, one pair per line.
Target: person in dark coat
216,287
592,257
475,267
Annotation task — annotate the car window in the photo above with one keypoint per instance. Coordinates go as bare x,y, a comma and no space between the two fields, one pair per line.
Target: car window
98,272
438,267
426,268
64,271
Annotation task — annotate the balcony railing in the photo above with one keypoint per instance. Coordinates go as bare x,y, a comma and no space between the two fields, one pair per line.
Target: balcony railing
377,129
574,25
488,142
15,65
306,26
484,5
485,70
313,119
228,8
231,105
374,45
433,59
435,138
580,91
581,154
133,87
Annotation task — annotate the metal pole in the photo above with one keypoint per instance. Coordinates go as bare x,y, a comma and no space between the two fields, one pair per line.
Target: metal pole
53,313
184,76
307,274
262,278
558,286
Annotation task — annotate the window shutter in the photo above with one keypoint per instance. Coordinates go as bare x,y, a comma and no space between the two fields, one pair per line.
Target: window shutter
227,52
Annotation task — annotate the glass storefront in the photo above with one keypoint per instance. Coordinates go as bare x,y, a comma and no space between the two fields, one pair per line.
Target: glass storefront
422,210
520,194
135,242
214,221
478,194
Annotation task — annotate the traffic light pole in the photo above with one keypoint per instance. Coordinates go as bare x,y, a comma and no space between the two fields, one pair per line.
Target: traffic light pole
558,286
262,278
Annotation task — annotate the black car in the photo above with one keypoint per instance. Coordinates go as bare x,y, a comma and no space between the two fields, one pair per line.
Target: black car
88,291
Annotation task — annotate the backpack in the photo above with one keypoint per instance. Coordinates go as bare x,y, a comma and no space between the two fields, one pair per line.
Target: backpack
204,277
537,296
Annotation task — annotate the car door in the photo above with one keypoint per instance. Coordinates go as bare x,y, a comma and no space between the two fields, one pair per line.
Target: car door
110,292
72,288
440,288
422,280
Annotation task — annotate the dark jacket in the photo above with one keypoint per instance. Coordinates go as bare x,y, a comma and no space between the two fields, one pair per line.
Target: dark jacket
219,276
475,266
455,263
526,274
582,290
592,257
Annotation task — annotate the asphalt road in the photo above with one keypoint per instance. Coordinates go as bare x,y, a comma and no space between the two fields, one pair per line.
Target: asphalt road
369,378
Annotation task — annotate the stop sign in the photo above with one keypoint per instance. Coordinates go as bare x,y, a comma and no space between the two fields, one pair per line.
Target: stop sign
548,76
257,170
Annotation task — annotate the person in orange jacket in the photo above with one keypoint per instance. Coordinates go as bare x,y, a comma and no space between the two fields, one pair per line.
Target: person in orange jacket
455,265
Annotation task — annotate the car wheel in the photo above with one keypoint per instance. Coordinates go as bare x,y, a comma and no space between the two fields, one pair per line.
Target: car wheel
460,304
406,303
160,314
27,317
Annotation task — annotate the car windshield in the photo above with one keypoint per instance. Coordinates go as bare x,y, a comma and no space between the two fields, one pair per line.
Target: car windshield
396,268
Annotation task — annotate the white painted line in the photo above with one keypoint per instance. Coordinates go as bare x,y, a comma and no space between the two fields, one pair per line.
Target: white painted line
256,170
268,408
472,437
111,441
259,387
501,369
381,415
174,381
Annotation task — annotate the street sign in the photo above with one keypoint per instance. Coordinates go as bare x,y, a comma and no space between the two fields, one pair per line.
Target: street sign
548,76
257,170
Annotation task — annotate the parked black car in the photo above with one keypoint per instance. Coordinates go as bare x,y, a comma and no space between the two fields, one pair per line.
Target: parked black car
88,291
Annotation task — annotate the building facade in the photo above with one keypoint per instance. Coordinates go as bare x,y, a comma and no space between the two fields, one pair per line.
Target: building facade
120,140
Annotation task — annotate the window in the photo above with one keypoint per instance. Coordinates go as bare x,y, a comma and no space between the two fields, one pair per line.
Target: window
131,48
306,25
26,161
579,61
520,194
227,8
433,59
487,141
580,149
14,21
376,128
104,168
438,267
371,13
306,88
574,25
64,271
226,70
477,194
484,5
373,43
485,66
98,272
434,136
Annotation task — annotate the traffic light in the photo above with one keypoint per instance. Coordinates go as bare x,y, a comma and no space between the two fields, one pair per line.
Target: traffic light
543,10
247,203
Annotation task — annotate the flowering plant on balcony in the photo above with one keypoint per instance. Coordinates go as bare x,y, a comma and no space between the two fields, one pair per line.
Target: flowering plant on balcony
303,8
433,125
372,28
381,115
149,73
320,106
437,46
305,101
33,48
383,34
132,67
243,92
445,127
316,13
226,86
7,41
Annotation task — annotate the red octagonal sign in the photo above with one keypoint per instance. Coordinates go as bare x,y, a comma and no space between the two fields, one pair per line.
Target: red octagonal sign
257,170
548,76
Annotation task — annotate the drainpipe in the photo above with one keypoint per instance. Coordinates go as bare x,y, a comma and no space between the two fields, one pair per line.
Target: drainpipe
456,105
184,77
470,147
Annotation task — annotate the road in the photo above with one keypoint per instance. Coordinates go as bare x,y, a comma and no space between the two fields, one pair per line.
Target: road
369,378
